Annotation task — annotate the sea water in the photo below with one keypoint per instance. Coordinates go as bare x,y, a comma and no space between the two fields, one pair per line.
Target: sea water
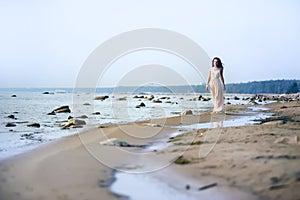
32,105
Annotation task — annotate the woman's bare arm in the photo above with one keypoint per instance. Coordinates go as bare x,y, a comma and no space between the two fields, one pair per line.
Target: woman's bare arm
208,80
222,78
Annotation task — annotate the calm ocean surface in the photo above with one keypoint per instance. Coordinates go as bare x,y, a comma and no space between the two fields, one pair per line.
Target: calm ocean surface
31,105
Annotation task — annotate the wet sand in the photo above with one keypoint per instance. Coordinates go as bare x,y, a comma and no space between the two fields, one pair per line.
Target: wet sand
247,162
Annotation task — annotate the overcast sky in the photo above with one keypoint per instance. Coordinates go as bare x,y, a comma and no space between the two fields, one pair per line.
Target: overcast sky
45,43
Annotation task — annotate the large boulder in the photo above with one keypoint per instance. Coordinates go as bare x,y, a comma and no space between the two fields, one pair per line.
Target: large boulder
34,124
150,98
83,116
236,98
122,99
61,109
73,123
138,97
157,101
187,112
141,105
202,98
252,102
11,116
101,98
10,124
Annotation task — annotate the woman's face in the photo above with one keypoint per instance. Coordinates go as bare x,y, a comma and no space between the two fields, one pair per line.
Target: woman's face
215,62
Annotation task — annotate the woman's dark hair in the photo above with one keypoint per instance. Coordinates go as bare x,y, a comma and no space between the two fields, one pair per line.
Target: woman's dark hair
219,63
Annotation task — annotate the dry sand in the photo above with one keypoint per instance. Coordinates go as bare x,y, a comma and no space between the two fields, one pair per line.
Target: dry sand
248,162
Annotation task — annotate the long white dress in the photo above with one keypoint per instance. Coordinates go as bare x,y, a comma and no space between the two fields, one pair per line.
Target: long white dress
216,90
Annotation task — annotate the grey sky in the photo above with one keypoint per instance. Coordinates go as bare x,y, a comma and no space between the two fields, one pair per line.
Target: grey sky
44,43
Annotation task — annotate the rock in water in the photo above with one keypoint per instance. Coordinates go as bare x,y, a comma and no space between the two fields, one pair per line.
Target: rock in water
34,124
11,116
201,98
96,113
140,105
74,123
236,98
157,101
252,102
83,117
10,124
62,109
122,99
77,121
206,99
150,98
187,112
51,113
101,98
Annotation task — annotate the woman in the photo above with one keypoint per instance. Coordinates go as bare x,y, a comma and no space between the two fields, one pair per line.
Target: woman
216,88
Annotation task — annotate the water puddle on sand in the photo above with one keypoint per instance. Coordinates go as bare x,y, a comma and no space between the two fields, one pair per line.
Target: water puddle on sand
237,121
145,186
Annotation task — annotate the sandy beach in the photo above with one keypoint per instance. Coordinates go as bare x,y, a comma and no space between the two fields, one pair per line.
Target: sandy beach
259,161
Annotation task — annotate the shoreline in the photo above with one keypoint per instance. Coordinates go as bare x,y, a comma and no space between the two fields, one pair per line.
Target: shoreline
65,169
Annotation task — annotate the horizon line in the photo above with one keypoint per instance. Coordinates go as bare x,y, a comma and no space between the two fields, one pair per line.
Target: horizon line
61,87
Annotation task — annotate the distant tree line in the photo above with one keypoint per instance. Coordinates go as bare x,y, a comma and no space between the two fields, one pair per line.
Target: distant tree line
254,87
271,86
259,87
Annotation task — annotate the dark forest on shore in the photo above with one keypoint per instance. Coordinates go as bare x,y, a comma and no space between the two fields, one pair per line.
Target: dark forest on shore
253,87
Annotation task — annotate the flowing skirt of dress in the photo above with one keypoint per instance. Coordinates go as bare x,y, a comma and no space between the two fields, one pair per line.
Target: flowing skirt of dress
217,94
